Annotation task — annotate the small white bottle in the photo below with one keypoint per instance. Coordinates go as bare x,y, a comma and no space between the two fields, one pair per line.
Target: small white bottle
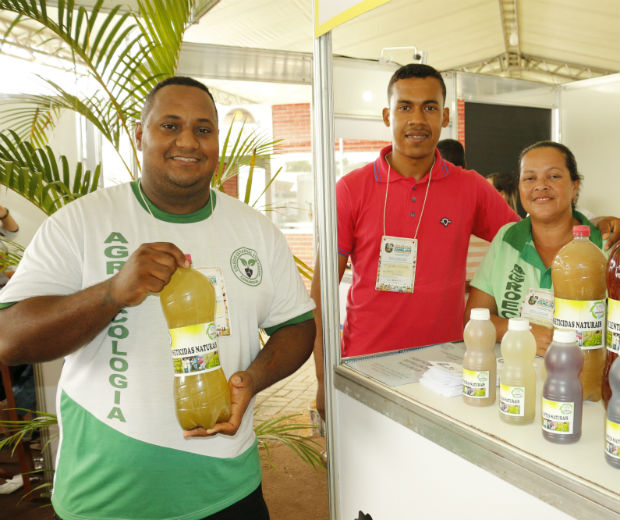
517,379
479,363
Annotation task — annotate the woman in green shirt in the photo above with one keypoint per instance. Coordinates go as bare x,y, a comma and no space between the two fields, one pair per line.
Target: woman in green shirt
521,253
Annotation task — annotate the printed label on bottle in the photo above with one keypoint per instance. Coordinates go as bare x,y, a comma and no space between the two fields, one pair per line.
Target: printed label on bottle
194,349
476,383
558,416
613,325
585,317
512,400
612,439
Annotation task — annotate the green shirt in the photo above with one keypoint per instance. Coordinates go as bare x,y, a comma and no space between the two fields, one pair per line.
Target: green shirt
512,266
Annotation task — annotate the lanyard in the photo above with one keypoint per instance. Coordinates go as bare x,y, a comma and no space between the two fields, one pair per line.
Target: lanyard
387,187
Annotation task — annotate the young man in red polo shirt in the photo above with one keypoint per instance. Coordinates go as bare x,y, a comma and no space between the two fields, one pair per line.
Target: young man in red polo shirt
405,221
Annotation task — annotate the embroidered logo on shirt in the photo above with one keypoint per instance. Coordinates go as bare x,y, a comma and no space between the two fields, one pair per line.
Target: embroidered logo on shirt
245,264
445,222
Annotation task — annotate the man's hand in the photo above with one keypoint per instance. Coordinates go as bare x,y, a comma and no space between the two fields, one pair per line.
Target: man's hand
609,228
147,270
543,337
241,389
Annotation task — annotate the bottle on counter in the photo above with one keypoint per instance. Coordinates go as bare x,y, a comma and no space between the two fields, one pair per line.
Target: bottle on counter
517,379
578,273
479,363
613,317
612,420
201,391
562,396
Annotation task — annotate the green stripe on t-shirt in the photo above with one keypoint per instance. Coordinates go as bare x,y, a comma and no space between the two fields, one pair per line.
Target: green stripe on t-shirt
105,474
293,321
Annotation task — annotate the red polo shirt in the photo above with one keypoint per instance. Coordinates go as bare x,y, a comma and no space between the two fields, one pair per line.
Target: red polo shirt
459,203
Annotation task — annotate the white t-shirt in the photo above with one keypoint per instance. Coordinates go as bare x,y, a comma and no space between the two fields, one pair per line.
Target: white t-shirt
118,388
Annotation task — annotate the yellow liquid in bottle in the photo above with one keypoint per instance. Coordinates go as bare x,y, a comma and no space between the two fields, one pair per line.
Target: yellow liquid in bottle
578,272
202,398
518,378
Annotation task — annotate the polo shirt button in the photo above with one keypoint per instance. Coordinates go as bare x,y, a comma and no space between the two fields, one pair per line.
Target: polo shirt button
413,199
413,188
413,214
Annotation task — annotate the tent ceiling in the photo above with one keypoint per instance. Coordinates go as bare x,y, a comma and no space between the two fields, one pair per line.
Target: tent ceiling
552,41
555,40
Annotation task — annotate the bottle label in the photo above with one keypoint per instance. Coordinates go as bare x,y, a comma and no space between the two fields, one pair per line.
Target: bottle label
613,325
585,317
512,400
194,349
476,383
558,416
612,439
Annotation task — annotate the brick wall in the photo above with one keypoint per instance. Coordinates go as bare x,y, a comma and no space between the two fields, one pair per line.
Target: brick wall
293,124
302,246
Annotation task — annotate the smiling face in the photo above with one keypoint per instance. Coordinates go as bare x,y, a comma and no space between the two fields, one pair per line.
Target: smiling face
180,148
545,184
416,116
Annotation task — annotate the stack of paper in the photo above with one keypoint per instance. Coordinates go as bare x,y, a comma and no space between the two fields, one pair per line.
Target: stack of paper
444,378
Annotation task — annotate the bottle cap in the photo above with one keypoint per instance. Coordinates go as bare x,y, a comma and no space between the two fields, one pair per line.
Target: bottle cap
564,336
188,257
518,324
480,313
581,231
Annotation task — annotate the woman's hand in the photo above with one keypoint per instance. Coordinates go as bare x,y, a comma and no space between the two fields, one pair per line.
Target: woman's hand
543,336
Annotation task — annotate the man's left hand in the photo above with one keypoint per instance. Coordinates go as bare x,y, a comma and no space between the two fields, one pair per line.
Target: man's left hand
241,389
609,228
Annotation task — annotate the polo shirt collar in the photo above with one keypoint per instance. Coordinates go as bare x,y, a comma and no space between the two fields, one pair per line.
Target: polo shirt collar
519,236
380,169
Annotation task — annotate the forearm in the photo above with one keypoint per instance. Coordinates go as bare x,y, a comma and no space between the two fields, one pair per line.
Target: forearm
48,327
315,294
287,349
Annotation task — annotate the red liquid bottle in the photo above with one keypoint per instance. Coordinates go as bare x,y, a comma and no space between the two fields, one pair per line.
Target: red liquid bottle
613,317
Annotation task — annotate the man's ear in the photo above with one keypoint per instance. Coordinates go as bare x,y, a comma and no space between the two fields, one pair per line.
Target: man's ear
446,117
386,116
138,135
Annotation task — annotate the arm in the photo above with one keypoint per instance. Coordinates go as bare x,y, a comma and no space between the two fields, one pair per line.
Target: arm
478,298
48,327
609,228
315,293
7,221
287,349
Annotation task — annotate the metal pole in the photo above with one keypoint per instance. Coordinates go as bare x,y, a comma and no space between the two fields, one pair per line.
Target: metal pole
325,199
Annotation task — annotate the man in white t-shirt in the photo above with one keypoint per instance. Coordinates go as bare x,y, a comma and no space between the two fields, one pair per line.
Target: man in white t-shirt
86,290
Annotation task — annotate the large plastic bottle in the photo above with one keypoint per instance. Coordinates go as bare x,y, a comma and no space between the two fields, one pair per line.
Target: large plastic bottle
578,273
517,379
613,317
479,363
562,396
612,423
200,388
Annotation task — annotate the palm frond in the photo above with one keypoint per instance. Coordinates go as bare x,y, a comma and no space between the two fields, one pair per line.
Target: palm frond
21,429
11,254
240,151
277,429
41,177
30,116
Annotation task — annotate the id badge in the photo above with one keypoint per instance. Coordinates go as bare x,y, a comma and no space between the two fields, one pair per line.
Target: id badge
538,307
397,264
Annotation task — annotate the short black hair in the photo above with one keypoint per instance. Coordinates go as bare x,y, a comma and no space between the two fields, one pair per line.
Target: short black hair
172,80
416,70
453,151
569,157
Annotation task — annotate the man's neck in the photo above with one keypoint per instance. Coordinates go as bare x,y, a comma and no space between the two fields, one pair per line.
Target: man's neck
410,167
177,205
